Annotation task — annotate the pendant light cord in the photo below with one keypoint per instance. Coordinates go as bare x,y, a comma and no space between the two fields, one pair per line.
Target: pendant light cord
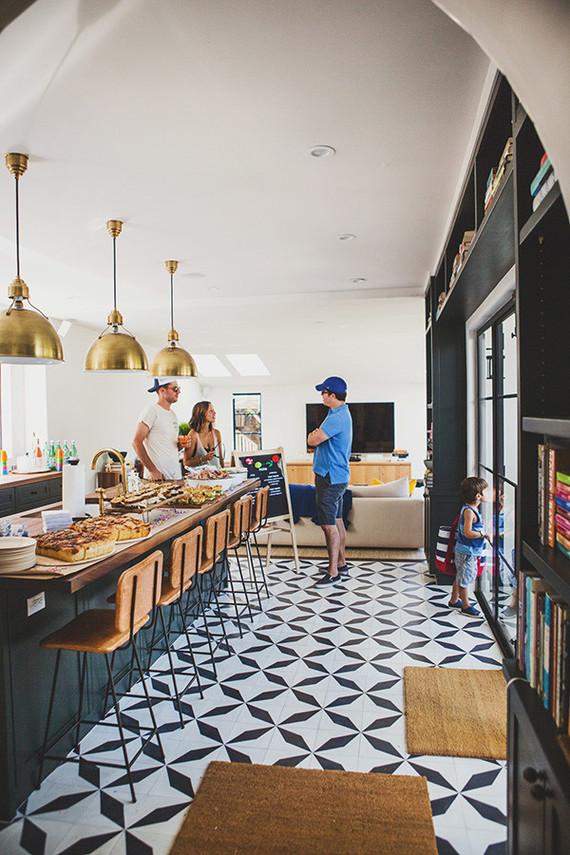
115,273
171,301
17,229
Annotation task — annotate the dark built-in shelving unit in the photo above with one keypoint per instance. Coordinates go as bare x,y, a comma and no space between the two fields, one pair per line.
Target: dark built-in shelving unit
537,243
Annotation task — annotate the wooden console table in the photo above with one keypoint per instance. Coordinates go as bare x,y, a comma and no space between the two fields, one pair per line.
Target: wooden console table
301,471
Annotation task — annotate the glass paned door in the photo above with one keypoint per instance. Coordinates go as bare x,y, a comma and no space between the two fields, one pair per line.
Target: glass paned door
247,421
497,403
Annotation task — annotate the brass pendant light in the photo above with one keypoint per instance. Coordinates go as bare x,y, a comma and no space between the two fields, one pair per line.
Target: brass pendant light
26,335
116,349
173,360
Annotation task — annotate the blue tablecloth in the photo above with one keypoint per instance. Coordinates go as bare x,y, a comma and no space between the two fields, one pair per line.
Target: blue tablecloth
304,505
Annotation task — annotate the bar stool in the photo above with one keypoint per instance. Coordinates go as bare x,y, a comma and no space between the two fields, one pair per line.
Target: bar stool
215,546
241,521
182,568
104,631
258,522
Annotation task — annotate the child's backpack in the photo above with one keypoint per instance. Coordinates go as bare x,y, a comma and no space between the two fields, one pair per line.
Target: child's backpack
445,548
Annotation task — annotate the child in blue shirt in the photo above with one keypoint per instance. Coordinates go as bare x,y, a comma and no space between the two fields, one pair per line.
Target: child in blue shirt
469,544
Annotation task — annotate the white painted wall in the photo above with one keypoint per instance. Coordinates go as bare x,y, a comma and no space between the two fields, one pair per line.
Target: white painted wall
97,409
388,366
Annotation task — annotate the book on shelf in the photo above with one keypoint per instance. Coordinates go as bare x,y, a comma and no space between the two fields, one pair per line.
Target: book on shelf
544,651
544,190
553,491
543,171
495,179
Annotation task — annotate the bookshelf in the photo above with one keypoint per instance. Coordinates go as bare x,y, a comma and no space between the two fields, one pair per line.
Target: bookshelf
534,238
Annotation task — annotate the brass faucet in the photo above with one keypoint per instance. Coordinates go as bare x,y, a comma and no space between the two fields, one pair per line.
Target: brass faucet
121,460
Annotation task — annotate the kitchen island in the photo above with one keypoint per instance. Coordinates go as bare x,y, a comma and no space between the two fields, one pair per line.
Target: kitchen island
32,605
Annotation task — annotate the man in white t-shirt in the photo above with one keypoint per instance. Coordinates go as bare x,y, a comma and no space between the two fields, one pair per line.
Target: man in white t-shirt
156,436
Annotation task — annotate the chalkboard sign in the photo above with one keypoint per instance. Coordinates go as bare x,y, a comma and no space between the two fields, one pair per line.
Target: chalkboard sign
269,467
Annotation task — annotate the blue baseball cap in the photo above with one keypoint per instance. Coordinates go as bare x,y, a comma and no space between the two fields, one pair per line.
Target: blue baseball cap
333,384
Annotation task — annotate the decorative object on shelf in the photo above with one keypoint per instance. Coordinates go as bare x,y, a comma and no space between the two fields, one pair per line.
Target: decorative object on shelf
172,360
26,335
543,181
116,349
497,172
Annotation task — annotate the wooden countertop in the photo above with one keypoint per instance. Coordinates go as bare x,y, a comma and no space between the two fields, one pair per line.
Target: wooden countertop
89,573
15,479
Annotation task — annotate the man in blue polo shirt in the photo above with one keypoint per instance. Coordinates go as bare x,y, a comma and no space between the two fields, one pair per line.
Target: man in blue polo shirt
332,442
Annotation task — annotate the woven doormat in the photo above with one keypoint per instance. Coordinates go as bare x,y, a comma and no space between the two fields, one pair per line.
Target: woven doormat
455,712
246,809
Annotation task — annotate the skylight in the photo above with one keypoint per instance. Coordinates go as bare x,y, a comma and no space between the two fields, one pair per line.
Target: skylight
248,364
210,366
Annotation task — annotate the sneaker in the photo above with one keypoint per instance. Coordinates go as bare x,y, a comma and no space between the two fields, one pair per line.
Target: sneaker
327,580
508,612
343,571
456,605
471,611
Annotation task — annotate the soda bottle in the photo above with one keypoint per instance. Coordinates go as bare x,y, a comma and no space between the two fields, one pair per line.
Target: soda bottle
73,449
66,452
51,456
58,458
4,461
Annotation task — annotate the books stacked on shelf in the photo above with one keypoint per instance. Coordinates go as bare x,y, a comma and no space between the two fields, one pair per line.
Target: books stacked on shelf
464,247
542,182
497,172
554,497
544,649
562,513
440,304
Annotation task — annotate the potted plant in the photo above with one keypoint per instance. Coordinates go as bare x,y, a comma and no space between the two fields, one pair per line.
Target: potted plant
183,431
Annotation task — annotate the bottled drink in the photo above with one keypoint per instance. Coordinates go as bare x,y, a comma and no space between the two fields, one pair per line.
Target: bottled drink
4,461
73,449
51,456
66,452
59,458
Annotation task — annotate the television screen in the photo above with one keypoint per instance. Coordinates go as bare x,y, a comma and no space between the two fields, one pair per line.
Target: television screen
373,425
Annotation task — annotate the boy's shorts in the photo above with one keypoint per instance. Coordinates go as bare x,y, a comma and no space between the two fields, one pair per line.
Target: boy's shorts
328,499
466,566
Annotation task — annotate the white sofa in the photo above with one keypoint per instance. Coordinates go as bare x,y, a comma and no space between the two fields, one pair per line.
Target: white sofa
375,521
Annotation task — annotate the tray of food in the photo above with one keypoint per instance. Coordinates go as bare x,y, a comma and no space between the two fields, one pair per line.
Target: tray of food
151,495
88,540
227,477
196,497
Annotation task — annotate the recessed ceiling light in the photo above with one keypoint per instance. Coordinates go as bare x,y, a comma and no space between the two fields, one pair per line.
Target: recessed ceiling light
347,237
358,280
321,152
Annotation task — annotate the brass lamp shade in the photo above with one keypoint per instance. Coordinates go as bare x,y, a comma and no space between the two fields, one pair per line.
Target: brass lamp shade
173,361
27,338
116,351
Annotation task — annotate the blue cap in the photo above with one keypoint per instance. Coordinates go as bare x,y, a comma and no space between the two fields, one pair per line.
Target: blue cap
333,384
161,381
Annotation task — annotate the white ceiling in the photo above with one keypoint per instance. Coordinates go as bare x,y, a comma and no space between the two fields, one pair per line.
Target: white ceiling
191,121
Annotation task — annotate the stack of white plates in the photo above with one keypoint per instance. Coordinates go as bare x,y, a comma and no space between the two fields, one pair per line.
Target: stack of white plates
17,553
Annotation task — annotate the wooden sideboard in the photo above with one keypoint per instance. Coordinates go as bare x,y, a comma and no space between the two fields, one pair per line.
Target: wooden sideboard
301,471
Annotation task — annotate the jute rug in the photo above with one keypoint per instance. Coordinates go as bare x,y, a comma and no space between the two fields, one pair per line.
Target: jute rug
456,712
265,810
353,553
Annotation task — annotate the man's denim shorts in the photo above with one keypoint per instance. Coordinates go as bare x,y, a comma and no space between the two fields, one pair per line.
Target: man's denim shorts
329,499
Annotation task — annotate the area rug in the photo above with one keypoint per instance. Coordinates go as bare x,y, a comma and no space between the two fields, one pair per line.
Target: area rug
246,809
353,553
456,712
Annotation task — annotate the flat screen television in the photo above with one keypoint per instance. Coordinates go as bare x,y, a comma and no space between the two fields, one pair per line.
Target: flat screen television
372,424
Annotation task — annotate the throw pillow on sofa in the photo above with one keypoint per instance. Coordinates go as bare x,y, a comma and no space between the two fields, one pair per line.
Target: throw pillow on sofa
411,485
393,489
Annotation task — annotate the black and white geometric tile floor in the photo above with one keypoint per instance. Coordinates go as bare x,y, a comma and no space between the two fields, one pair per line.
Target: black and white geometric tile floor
316,681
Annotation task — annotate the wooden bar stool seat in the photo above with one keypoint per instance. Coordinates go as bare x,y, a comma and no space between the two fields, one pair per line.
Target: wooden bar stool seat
259,520
215,547
241,522
185,556
103,632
